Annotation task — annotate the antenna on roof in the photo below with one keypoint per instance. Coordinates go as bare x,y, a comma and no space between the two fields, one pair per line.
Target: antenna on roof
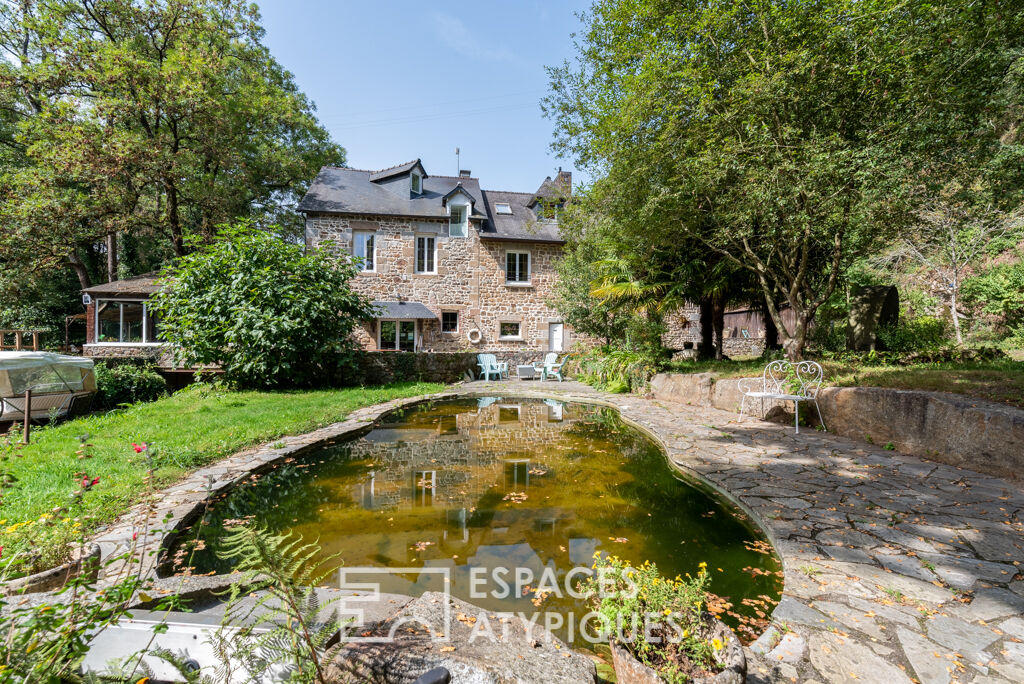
458,164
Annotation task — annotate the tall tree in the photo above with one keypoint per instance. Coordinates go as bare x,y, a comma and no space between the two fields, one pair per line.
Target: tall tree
150,118
788,137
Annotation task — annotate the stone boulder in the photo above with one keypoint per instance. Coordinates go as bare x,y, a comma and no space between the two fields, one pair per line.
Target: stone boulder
871,307
477,646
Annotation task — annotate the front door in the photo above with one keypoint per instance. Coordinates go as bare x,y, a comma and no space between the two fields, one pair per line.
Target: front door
555,337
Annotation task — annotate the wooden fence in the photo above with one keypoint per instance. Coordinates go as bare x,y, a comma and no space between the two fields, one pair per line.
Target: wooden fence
20,340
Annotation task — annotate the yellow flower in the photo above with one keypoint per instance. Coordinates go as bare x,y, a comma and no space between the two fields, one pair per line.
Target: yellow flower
668,611
703,565
686,633
716,643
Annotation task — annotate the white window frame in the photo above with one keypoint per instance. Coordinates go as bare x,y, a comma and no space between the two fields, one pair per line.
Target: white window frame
416,254
414,181
463,225
458,322
398,332
146,342
529,266
356,234
517,336
506,205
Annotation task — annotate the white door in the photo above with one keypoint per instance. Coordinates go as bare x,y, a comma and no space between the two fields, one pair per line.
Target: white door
555,337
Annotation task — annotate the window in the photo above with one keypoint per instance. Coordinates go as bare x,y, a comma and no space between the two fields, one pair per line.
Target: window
417,184
457,221
426,250
503,208
449,321
397,336
125,322
509,330
517,267
364,247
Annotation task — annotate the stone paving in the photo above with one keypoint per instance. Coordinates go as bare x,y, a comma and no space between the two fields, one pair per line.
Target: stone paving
896,569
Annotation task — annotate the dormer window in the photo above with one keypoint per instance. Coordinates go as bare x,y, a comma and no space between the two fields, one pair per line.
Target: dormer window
417,184
503,208
457,220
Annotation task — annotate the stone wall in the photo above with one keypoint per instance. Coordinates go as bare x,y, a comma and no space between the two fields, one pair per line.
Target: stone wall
949,428
157,353
470,280
375,368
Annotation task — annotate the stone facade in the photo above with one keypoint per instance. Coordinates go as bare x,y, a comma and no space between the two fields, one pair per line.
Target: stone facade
470,281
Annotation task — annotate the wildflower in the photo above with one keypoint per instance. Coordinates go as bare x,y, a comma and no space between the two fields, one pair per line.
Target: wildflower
716,643
139,448
668,611
686,633
703,565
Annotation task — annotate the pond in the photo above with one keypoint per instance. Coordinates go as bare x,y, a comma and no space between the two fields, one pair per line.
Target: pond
478,484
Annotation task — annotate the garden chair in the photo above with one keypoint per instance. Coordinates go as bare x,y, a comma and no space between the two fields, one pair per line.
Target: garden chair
550,367
785,381
489,365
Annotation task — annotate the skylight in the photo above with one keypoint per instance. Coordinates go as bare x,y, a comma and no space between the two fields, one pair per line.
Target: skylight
503,208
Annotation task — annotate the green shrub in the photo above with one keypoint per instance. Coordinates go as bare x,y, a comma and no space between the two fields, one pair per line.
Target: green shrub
613,370
127,383
924,333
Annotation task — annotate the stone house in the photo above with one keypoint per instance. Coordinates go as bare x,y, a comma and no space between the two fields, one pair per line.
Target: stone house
451,266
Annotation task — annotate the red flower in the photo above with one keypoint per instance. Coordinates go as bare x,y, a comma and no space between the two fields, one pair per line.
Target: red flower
94,481
135,535
139,448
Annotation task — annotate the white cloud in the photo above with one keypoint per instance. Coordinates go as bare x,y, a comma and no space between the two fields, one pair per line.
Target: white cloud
455,34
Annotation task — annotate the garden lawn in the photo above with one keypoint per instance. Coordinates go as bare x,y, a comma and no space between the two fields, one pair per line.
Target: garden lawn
184,431
999,381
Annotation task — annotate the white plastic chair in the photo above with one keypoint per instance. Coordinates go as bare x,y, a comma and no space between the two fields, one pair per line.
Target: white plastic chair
785,381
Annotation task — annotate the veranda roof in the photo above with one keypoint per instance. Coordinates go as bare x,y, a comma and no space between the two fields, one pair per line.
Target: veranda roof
403,311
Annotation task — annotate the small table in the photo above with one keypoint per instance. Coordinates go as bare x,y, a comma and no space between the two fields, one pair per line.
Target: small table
526,372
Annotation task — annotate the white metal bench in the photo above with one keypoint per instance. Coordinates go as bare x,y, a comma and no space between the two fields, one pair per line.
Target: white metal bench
785,381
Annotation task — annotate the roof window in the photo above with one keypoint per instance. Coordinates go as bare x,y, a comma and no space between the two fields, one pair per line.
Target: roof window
417,184
503,208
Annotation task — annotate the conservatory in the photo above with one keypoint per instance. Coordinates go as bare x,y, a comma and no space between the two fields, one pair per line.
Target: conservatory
59,384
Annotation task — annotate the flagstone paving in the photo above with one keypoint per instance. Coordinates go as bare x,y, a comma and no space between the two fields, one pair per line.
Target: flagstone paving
896,569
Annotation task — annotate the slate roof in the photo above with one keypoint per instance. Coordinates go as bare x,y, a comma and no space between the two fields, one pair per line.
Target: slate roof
403,311
521,224
351,191
397,170
339,190
145,284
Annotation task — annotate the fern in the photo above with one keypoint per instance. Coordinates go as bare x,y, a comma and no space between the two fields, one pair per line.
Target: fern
287,629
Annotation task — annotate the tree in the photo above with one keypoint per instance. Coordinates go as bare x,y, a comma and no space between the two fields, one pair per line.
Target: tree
258,307
953,233
154,119
789,138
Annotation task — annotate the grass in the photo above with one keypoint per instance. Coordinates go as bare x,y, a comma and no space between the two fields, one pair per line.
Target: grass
999,381
189,429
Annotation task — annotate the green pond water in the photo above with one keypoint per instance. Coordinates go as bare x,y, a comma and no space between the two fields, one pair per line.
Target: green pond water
477,485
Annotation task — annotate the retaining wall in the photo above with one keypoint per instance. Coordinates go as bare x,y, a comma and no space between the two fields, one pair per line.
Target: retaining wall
949,428
373,368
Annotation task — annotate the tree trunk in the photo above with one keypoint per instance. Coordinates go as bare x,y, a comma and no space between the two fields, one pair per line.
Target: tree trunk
794,344
111,257
718,320
952,311
771,331
80,270
707,328
173,220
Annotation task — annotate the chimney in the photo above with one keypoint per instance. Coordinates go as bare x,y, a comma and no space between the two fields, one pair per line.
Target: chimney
465,173
564,179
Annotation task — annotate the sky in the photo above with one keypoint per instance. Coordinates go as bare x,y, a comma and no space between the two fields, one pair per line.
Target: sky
395,80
